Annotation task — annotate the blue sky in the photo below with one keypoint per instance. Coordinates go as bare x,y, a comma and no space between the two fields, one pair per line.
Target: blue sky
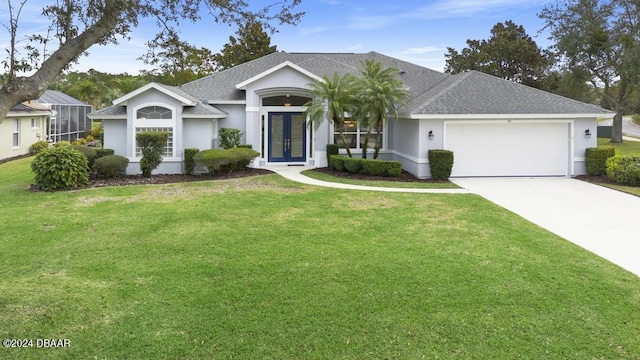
416,31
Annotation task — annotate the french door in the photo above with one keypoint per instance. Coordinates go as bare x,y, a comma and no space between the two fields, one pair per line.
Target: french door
287,137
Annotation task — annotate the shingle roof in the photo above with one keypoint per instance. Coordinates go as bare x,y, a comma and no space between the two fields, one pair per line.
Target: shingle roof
59,98
221,86
474,92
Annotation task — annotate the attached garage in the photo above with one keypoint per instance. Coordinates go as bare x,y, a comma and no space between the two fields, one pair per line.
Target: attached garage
509,147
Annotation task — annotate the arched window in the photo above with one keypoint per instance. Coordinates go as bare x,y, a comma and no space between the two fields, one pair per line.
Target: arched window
154,112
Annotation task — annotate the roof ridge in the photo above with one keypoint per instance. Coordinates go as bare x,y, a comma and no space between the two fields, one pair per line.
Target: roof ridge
461,77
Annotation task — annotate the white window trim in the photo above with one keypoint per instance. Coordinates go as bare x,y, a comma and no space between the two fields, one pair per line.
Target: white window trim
14,132
357,149
154,123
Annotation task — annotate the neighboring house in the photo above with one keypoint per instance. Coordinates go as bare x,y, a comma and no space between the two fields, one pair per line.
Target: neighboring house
69,120
494,127
23,126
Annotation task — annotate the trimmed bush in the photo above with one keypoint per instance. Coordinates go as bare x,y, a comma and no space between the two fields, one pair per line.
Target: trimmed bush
111,165
152,144
225,160
373,167
89,152
441,164
62,143
38,146
332,149
189,164
624,169
60,168
352,165
393,168
246,146
596,159
100,152
337,162
230,138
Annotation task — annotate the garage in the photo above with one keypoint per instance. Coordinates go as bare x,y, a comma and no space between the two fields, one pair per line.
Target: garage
509,148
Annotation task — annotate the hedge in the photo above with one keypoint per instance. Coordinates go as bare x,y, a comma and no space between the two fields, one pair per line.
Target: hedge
189,163
89,152
365,166
100,152
225,160
624,169
111,165
332,149
596,159
441,164
38,146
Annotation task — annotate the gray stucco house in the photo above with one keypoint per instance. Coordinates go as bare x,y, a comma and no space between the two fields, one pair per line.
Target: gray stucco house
494,127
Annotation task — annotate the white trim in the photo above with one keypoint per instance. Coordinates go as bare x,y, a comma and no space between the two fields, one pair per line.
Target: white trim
410,157
252,109
154,123
501,116
107,117
226,102
243,85
203,116
162,89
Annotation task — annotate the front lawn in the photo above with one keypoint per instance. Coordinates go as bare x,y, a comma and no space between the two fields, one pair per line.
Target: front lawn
263,267
627,147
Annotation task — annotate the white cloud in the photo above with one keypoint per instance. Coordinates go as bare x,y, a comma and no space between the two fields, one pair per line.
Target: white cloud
355,47
466,8
420,50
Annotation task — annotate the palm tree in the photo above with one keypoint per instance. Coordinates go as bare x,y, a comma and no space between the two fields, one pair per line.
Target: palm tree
333,97
379,92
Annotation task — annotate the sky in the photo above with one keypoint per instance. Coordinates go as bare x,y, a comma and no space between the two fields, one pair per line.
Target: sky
411,30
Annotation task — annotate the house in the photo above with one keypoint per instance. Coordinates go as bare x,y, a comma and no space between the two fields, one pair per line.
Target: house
23,126
69,120
494,127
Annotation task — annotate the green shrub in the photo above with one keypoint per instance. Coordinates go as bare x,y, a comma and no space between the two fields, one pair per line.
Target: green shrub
225,160
337,162
332,149
97,131
38,146
89,152
352,165
152,145
111,165
189,164
100,152
393,168
624,169
230,138
60,168
441,164
62,143
635,118
596,159
373,167
246,146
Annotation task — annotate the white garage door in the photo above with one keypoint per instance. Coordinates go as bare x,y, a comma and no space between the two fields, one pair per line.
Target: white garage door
508,148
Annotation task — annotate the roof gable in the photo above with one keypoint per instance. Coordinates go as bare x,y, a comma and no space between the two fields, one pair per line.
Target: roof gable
172,91
289,64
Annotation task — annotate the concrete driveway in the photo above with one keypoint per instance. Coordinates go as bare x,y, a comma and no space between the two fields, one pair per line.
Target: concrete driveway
603,221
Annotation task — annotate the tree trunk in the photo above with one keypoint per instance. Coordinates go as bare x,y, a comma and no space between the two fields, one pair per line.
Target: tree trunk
616,131
378,139
20,89
346,146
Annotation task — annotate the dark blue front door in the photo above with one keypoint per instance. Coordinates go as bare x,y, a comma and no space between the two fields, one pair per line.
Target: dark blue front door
287,137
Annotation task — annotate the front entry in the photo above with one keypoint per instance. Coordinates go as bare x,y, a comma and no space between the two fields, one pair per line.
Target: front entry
287,137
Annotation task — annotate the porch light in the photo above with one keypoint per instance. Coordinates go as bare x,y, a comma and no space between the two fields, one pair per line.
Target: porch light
587,133
431,135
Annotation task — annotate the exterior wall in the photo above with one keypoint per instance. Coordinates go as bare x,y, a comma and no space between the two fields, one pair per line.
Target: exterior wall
115,136
200,133
236,119
406,145
27,135
581,143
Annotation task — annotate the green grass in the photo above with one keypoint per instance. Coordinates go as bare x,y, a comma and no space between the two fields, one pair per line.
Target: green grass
392,184
627,147
263,267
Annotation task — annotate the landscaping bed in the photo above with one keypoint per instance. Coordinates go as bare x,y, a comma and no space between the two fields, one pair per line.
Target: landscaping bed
404,176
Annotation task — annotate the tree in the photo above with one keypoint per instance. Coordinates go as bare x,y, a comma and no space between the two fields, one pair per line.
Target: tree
509,53
378,93
602,38
77,25
252,43
332,97
178,61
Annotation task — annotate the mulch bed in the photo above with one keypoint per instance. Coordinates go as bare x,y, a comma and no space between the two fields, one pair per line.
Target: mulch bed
595,179
404,177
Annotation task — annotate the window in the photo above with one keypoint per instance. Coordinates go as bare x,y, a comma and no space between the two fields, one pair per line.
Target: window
154,112
355,135
168,150
34,123
16,133
285,100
